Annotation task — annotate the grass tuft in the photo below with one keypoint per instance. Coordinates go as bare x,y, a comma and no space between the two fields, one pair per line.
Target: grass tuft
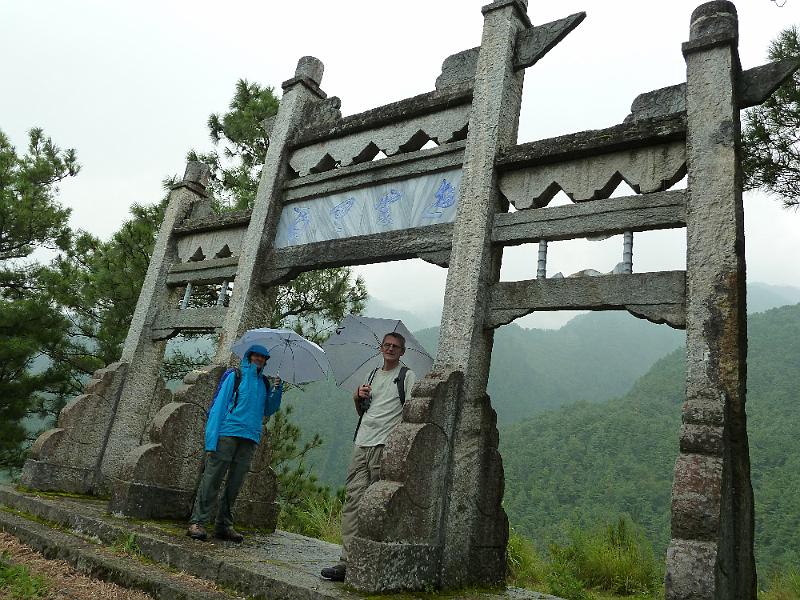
17,582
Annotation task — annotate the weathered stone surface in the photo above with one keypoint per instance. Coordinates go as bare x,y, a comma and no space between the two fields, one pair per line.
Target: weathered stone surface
211,244
407,135
378,567
660,210
401,166
458,69
203,272
754,86
626,136
169,322
68,457
359,250
712,498
650,169
534,42
232,219
656,296
691,570
423,104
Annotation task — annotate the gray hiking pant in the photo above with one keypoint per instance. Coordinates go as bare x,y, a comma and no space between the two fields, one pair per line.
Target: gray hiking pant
233,456
364,470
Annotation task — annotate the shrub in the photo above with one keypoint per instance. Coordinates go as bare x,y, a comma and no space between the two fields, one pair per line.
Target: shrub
782,586
524,565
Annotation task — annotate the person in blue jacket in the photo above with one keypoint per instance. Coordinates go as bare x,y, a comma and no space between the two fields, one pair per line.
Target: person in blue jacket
233,432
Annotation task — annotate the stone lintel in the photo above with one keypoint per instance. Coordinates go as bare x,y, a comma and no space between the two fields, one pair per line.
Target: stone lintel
226,220
403,110
190,319
307,82
625,136
533,43
642,212
214,270
667,289
401,166
363,249
521,7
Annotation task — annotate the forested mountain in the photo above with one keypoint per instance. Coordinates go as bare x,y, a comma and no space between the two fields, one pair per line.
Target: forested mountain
587,463
594,357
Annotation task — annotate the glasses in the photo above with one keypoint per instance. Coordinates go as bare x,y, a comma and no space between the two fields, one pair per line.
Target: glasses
389,346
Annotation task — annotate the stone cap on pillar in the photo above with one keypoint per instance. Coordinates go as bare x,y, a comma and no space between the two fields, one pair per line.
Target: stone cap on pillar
195,178
712,24
308,73
520,5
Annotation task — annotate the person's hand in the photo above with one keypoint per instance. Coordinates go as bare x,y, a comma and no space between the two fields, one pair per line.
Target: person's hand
277,383
364,391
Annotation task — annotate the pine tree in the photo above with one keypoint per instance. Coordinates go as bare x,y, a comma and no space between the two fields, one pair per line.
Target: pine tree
30,219
771,132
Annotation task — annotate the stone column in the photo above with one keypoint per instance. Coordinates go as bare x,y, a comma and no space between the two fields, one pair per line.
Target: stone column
475,526
250,302
711,552
143,392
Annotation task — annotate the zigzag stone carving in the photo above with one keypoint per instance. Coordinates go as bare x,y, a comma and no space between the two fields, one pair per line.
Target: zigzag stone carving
646,170
404,136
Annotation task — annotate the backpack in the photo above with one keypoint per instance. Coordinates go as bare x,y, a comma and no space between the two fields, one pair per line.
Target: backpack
400,380
237,379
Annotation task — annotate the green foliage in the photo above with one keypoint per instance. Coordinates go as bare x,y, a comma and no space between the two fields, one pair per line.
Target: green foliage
30,218
525,567
128,546
588,463
771,132
316,515
782,585
17,582
241,137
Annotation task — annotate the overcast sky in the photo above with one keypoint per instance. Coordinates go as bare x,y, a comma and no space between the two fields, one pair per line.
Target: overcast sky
130,86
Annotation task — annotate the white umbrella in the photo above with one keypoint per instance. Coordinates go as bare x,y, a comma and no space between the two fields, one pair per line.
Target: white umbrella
292,357
354,349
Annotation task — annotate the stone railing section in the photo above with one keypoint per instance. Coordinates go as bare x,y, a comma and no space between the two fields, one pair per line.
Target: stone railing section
67,458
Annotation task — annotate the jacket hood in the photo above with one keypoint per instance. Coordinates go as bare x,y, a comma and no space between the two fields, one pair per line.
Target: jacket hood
258,349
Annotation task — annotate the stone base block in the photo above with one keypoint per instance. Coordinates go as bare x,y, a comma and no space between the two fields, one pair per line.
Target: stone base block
260,515
403,567
147,501
51,477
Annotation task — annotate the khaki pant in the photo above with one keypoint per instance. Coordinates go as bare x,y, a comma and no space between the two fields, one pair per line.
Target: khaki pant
364,470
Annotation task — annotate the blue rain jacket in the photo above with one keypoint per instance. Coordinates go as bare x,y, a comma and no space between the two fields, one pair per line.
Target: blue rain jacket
256,400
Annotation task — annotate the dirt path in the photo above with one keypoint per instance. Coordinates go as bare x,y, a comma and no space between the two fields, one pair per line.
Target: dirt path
63,582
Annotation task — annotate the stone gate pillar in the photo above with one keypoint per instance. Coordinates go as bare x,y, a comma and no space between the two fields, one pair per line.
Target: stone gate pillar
711,552
476,528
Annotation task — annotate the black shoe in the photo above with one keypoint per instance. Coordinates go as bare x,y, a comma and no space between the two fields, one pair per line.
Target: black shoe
229,534
335,573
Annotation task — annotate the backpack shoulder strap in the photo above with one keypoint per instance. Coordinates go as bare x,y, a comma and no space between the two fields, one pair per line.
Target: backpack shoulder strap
237,379
361,416
401,384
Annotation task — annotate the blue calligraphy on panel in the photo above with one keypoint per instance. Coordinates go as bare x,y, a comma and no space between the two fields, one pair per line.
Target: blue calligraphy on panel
339,212
445,198
382,207
299,225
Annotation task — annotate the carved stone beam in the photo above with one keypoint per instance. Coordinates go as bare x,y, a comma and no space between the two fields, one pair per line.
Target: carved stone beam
754,86
625,136
169,322
534,43
643,212
658,297
431,242
205,271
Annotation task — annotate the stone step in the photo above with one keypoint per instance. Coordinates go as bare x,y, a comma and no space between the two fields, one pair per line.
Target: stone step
277,565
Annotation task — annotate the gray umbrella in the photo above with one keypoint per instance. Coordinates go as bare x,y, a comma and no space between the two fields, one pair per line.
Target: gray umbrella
354,350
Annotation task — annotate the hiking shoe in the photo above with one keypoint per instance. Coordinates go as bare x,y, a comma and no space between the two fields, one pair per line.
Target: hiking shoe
197,532
335,573
229,534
